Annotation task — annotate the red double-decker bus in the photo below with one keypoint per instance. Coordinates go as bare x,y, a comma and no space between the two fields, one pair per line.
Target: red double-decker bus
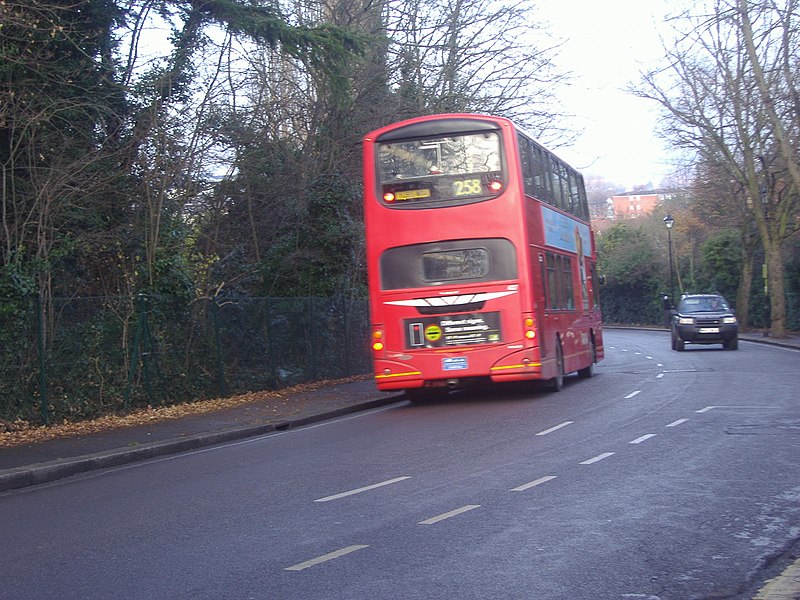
480,257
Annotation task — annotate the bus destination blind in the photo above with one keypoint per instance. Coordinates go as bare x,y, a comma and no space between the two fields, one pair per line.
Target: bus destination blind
453,330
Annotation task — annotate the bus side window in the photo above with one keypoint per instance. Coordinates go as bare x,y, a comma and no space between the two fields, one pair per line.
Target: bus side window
564,201
543,298
574,195
552,281
526,165
586,283
555,182
566,278
582,201
540,181
560,287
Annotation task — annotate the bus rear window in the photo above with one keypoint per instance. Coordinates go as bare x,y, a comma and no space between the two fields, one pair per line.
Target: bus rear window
447,262
455,169
450,265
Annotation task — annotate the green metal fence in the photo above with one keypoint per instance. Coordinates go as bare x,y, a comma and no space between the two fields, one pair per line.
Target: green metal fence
78,358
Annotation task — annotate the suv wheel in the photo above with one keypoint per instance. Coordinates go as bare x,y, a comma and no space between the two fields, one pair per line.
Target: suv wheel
677,343
731,345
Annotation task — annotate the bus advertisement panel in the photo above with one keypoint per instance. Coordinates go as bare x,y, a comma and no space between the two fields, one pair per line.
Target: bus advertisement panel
480,258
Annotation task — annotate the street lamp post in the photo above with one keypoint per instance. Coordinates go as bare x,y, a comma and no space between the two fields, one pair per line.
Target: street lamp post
669,222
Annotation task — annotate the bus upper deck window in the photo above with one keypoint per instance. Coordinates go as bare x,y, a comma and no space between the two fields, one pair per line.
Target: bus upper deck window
443,170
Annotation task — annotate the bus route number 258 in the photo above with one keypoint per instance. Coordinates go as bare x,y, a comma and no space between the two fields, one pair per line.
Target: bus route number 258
467,187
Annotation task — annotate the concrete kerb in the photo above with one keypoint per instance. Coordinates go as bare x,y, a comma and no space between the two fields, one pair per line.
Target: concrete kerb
36,474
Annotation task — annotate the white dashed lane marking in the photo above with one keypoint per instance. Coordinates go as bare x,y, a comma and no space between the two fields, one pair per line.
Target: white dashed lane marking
556,428
527,486
361,489
643,438
597,458
326,557
448,515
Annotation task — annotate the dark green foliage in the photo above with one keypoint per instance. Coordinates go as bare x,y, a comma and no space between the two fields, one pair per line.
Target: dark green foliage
18,353
57,101
322,253
626,255
54,85
323,45
637,277
634,289
109,355
325,49
792,274
722,263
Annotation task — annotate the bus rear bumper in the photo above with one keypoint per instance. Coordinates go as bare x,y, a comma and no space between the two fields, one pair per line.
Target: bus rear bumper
390,375
519,366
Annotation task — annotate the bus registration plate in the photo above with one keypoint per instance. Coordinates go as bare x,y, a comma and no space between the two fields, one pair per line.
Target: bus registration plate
412,194
455,363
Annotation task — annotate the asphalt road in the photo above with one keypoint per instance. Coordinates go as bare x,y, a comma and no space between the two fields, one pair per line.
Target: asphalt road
666,476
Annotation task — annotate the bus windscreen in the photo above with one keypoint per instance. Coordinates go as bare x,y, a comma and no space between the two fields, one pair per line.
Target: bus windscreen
454,169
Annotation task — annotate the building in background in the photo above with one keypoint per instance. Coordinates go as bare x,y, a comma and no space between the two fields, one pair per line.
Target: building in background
633,206
630,205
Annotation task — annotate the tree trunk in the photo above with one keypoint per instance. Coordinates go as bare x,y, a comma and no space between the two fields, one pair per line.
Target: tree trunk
777,292
745,285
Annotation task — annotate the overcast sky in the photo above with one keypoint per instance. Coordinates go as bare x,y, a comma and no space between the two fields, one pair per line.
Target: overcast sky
607,43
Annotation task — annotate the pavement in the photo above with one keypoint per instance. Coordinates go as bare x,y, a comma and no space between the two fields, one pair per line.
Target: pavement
49,460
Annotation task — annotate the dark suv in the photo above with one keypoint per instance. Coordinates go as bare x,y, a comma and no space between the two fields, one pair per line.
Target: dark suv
704,319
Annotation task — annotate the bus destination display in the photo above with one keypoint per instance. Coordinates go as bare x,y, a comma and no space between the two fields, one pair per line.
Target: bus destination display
453,330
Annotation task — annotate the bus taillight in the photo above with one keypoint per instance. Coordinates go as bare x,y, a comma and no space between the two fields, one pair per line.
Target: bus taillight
530,328
496,186
388,197
377,340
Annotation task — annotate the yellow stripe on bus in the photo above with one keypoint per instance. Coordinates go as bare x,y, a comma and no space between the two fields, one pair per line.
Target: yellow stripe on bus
398,374
517,366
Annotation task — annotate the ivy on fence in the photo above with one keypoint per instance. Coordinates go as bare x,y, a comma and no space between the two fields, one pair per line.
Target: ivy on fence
79,358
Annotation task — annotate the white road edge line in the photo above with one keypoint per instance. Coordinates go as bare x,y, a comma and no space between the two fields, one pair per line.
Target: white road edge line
450,514
645,437
632,394
326,557
557,427
676,423
597,458
362,489
527,486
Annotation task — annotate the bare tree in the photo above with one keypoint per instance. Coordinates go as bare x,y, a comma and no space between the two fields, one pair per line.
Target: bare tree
710,93
772,50
483,56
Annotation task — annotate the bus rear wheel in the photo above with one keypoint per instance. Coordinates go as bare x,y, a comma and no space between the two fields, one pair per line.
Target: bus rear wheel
556,384
586,372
